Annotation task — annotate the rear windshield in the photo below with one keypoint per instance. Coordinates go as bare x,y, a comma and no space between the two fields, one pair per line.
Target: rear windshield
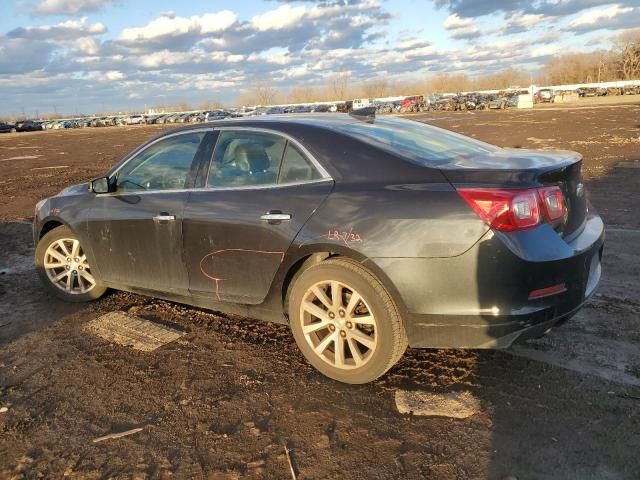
420,143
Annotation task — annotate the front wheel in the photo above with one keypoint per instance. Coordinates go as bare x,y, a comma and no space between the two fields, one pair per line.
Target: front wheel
64,269
345,322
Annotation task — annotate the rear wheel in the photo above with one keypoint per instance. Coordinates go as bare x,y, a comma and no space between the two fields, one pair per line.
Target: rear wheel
64,269
344,321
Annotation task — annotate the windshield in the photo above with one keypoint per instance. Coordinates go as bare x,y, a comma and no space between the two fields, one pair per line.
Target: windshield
418,142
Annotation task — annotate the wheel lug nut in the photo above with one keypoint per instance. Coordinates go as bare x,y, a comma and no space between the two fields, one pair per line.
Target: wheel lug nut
341,313
79,267
332,328
68,267
349,325
77,260
332,315
343,333
69,259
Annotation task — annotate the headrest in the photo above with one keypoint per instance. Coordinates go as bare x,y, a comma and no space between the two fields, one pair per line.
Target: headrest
254,155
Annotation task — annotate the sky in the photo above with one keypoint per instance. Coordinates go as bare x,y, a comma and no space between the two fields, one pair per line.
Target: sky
82,56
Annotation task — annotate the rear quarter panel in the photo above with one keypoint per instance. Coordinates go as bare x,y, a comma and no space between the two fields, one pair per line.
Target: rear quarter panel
423,220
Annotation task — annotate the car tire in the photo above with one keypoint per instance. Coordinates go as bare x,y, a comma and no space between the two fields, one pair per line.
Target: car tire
369,332
64,269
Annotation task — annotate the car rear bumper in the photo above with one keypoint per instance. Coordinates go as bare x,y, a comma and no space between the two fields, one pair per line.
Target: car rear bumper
480,299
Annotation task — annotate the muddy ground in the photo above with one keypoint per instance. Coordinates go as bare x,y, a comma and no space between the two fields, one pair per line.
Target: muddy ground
224,400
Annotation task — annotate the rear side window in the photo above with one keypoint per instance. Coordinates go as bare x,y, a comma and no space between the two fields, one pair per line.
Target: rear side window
296,167
246,158
420,143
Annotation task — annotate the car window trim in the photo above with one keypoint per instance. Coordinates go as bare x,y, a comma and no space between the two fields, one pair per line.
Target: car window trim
215,189
325,177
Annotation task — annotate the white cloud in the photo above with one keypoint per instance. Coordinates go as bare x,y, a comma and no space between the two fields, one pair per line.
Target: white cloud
114,75
282,17
87,45
60,31
528,20
594,17
413,43
157,28
461,28
216,22
523,21
545,51
235,58
67,7
167,25
453,22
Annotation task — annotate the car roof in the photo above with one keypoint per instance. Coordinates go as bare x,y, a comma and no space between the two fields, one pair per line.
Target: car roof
325,120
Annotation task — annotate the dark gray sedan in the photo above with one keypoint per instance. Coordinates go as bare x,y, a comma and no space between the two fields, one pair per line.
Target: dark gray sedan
364,235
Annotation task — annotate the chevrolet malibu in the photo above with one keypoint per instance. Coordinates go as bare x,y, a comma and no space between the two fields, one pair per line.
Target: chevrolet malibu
364,235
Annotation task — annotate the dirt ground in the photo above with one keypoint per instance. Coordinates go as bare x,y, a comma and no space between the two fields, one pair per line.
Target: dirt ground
227,398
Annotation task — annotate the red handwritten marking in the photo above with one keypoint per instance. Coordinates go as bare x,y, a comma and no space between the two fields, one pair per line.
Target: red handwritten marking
217,280
346,237
54,211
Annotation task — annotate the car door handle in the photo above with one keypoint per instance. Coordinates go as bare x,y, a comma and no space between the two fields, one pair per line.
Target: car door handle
164,218
276,217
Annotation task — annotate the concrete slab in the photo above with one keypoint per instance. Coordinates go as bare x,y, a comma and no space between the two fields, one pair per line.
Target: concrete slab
451,404
132,331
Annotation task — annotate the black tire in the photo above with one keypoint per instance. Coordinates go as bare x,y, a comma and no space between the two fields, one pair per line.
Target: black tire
59,233
391,337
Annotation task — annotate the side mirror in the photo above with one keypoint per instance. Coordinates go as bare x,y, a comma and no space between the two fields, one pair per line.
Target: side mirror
99,185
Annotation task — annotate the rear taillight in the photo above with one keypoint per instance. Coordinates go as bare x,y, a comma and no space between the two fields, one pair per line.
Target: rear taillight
552,203
515,209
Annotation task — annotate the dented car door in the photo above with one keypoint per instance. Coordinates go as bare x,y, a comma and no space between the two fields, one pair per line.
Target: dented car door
257,193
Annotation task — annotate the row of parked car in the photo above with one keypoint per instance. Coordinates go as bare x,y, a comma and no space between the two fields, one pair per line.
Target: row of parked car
160,118
417,103
438,102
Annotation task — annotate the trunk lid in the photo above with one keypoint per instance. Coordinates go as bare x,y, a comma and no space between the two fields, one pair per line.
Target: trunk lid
521,168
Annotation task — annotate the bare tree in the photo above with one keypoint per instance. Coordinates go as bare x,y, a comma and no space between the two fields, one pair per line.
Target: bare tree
599,66
628,47
265,93
376,88
449,83
304,95
509,77
183,107
338,85
210,105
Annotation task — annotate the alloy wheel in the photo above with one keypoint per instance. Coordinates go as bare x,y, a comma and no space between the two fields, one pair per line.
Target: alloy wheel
338,325
67,268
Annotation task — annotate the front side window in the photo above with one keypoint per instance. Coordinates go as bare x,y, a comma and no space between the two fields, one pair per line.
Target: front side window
165,165
246,158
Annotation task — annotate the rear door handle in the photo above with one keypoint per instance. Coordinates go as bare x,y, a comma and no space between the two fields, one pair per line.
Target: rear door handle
164,218
276,217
